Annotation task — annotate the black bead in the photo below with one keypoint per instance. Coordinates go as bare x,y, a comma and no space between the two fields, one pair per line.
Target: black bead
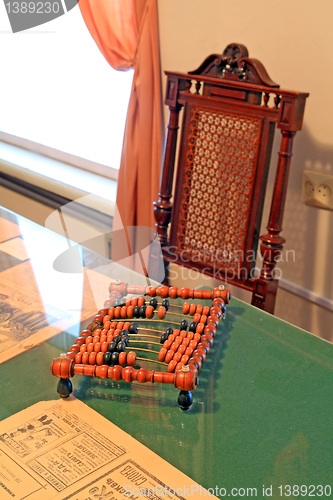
165,303
133,328
112,346
183,324
121,346
125,339
107,358
169,331
164,337
193,327
153,302
116,339
142,311
136,312
185,400
124,333
115,358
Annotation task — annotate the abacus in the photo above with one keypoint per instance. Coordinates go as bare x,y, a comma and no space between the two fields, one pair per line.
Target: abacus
116,343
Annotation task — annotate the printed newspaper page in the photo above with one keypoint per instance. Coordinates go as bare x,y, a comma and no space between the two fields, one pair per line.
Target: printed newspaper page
65,450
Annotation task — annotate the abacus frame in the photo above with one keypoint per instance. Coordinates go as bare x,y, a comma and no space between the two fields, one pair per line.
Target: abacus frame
183,375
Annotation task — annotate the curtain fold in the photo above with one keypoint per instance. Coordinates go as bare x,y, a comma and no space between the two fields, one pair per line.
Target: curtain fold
126,32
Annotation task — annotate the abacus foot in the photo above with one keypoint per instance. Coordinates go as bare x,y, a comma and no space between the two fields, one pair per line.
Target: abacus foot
185,400
64,387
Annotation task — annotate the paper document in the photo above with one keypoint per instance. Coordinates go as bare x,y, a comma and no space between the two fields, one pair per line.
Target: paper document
65,450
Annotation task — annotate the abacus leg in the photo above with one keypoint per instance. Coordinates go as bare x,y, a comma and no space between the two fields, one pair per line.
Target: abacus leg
185,400
64,387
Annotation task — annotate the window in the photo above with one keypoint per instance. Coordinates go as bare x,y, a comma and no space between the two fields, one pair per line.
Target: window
59,92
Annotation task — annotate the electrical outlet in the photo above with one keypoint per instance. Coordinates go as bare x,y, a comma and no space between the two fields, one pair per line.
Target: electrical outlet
317,189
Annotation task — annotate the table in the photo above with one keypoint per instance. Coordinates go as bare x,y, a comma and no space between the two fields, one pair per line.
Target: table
262,412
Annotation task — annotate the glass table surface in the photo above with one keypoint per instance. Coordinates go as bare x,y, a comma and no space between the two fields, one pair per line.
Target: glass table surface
262,412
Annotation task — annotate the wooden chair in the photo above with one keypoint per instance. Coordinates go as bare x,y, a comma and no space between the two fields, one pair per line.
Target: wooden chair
230,110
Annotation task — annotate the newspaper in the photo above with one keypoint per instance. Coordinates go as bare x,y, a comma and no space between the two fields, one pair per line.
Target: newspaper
65,450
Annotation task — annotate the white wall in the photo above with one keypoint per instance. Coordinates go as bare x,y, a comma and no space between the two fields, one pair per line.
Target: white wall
293,38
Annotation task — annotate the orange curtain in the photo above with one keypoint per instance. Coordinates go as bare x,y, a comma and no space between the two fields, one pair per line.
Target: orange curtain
126,32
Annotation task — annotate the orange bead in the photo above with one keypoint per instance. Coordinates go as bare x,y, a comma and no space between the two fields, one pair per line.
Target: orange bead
177,356
89,339
122,358
164,292
90,347
183,334
199,309
169,356
205,311
104,347
161,312
207,338
85,358
171,366
162,353
196,361
200,328
190,335
188,351
215,311
181,349
149,312
78,358
141,301
213,320
151,291
83,348
210,329
197,317
131,358
134,302
97,347
176,333
100,358
186,342
123,312
184,359
193,309
92,358
186,307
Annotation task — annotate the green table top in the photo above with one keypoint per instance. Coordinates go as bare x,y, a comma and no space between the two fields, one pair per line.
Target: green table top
261,417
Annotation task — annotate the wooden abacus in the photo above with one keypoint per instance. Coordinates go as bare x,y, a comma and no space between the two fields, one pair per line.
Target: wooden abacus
107,348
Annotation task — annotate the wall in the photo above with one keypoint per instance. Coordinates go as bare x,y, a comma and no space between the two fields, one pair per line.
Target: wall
293,38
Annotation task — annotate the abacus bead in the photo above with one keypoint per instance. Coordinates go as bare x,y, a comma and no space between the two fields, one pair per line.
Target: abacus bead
121,346
169,331
134,302
166,304
92,358
85,358
216,311
136,312
122,358
162,353
207,338
163,338
197,317
210,329
97,347
115,358
201,353
151,290
183,324
83,348
171,366
184,359
85,333
203,319
141,301
127,374
176,332
117,312
78,358
193,309
161,312
89,339
107,358
169,356
196,361
173,292
98,317
193,326
167,344
188,351
90,347
153,302
193,344
197,337
205,346
142,312
181,349
205,310
218,302
131,358
200,328
177,356
149,312
133,328
190,335
123,333
199,308
186,307
100,358
112,346
213,320
183,334
126,326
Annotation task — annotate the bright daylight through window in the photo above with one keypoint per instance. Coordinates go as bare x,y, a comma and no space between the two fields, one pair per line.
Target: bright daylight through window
58,90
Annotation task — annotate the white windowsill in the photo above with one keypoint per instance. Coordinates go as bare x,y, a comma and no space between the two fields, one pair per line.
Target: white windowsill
60,178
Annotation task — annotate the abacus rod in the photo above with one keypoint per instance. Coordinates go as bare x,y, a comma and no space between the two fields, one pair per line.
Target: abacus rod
152,361
140,342
141,349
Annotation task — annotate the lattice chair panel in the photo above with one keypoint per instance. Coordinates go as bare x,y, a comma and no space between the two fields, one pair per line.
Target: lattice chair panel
217,188
231,108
